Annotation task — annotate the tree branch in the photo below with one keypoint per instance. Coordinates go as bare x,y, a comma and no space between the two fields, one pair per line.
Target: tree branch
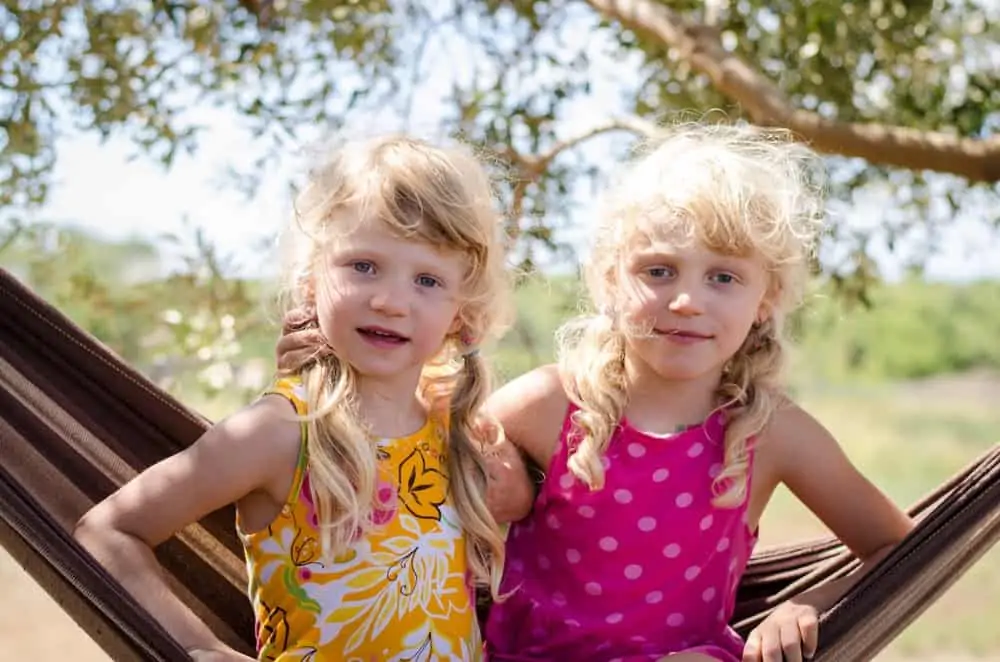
978,160
535,164
532,166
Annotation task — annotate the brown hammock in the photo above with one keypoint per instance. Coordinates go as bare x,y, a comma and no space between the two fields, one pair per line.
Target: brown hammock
76,423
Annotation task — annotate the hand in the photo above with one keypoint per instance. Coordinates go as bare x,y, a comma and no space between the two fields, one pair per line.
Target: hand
299,340
789,634
221,654
510,492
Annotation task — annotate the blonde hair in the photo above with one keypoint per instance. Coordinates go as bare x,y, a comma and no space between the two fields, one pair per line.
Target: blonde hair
739,191
431,194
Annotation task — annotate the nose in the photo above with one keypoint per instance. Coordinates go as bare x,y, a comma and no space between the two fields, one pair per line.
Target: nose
391,299
685,303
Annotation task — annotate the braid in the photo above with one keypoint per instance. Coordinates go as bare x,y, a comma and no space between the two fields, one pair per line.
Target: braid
750,391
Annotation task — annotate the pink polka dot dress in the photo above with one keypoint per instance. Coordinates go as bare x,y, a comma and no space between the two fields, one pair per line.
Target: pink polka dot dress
643,568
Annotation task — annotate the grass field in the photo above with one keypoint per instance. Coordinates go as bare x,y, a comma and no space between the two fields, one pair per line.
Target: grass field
907,437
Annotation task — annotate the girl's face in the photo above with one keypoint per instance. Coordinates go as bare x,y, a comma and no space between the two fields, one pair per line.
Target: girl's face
689,309
386,304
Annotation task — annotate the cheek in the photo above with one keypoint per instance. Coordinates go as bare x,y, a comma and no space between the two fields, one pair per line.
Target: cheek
639,304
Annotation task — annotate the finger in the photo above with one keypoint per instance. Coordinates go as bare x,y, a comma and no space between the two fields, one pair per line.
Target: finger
770,645
809,630
791,642
751,651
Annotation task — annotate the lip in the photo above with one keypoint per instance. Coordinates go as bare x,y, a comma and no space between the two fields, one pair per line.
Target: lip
683,335
382,335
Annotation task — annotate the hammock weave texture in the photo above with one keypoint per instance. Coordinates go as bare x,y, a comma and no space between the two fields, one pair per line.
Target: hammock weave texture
76,423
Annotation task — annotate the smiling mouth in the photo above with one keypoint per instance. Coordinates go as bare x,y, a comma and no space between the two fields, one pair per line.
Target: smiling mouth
381,335
677,333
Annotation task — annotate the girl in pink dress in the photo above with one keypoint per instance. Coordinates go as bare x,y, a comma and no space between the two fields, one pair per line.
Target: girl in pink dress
664,429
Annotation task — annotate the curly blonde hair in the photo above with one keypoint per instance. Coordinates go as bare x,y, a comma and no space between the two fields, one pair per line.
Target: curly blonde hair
430,194
738,190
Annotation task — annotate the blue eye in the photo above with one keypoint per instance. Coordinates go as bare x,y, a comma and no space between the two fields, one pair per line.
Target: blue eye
725,279
363,267
428,281
660,272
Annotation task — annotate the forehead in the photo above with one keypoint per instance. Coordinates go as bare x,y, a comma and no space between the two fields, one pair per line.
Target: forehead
681,246
377,239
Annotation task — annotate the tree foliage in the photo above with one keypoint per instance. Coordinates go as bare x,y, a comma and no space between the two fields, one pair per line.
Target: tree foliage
903,96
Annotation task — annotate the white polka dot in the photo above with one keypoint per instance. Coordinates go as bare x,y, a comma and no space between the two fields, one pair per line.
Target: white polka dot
623,496
517,565
684,499
636,450
696,450
732,565
572,623
672,551
708,594
691,573
616,659
566,481
654,597
585,511
544,563
592,588
559,600
614,618
573,556
723,545
552,521
675,620
639,639
661,475
633,571
714,470
608,544
647,524
722,616
606,462
706,522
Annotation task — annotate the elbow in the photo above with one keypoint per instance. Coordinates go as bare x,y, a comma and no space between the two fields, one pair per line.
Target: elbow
891,541
98,535
87,532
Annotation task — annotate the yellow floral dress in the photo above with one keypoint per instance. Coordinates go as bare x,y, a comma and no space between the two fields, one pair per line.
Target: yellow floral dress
401,593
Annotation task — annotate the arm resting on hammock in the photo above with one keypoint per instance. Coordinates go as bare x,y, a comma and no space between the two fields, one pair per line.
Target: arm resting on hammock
797,451
233,459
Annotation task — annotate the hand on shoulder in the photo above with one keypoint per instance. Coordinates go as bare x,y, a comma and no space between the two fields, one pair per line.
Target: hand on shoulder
531,409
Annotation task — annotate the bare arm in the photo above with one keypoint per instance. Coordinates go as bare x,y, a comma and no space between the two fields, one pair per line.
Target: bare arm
799,452
818,472
531,410
231,460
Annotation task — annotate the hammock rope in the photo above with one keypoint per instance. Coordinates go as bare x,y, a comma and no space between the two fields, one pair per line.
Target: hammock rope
76,422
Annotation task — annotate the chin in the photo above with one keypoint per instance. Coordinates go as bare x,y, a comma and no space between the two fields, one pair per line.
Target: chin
676,372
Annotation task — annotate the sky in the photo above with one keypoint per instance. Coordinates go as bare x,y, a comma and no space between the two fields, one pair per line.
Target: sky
99,187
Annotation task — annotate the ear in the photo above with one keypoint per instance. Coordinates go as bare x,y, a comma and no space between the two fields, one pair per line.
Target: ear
764,310
456,324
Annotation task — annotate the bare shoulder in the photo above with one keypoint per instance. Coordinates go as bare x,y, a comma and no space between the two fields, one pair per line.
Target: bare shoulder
531,409
797,450
789,425
254,449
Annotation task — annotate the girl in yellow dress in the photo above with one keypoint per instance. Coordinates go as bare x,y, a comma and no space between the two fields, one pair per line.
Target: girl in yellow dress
358,476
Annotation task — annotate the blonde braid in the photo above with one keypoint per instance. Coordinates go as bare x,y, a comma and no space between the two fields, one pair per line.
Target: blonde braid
749,392
467,471
592,360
